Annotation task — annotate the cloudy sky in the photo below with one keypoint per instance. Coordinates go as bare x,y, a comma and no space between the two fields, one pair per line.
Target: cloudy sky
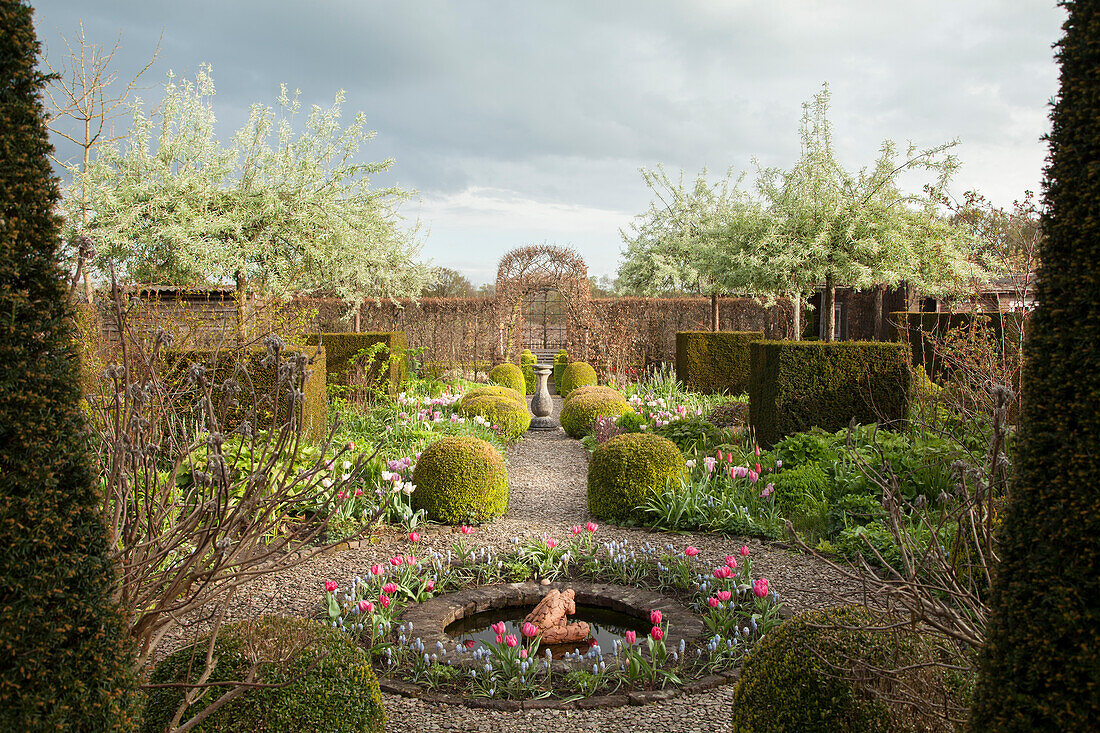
525,122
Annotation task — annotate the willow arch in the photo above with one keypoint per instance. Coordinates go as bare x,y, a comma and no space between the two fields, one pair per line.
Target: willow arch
539,268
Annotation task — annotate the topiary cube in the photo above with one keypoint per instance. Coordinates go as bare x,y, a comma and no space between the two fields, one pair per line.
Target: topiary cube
460,480
527,363
340,694
510,416
561,360
577,374
625,469
508,375
805,676
580,411
714,361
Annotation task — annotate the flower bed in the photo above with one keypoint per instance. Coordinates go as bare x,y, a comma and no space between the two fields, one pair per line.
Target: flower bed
727,612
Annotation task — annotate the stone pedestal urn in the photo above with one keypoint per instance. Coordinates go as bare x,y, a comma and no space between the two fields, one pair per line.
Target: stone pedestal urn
541,404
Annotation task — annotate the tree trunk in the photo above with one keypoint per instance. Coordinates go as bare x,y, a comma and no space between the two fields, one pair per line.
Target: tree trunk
828,307
714,311
880,291
796,322
358,319
242,307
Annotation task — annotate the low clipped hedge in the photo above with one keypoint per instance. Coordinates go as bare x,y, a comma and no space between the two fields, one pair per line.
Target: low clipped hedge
561,360
510,416
340,694
460,480
494,390
802,677
625,469
508,375
798,385
527,363
346,365
577,374
715,361
580,411
255,374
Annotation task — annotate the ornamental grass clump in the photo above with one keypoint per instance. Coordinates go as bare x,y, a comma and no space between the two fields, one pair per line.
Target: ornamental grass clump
626,470
461,480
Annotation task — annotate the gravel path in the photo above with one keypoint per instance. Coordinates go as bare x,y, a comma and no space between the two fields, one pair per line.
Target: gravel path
547,474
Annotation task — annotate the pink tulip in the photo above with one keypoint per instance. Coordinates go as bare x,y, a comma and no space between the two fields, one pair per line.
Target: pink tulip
465,529
631,637
591,526
330,585
551,543
744,550
500,639
720,455
577,529
523,654
657,633
723,572
511,640
389,588
429,586
414,536
712,602
410,560
375,569
396,561
469,643
365,606
753,476
709,462
760,588
691,551
757,468
779,464
530,630
654,617
731,562
384,600
757,451
723,595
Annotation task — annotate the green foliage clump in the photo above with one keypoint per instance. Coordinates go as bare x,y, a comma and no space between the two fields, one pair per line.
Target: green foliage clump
1042,652
511,417
806,676
366,360
714,361
577,374
340,694
561,360
626,469
797,385
257,375
527,363
494,390
460,480
65,654
693,434
581,410
508,375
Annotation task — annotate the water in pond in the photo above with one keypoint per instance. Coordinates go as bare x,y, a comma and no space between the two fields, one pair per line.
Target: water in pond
604,627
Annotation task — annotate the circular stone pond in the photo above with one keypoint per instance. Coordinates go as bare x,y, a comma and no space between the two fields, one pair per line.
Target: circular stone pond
450,619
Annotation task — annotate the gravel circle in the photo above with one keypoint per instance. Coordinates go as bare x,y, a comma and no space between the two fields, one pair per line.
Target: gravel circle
547,474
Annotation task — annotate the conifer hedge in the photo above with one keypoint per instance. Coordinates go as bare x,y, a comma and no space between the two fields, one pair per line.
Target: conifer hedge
64,652
797,385
1041,665
714,361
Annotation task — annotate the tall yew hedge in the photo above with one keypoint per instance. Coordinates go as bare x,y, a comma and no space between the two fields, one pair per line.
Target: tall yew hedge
1041,664
64,661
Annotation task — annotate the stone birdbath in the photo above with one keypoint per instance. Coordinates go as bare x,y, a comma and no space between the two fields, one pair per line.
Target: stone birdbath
541,404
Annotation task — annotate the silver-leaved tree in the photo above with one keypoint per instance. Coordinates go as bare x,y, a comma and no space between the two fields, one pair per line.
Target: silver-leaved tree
274,211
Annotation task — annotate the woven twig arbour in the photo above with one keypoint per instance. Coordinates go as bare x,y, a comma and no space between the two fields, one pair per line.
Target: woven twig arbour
543,267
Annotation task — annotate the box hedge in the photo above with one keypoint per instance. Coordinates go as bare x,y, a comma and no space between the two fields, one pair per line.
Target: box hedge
527,361
561,361
459,480
256,375
714,361
922,330
798,385
345,353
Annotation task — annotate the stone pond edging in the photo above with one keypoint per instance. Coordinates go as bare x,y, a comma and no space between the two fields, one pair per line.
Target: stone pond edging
431,618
